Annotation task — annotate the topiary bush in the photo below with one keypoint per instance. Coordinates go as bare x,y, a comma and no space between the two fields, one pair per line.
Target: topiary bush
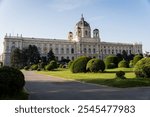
52,65
131,64
95,65
79,65
11,81
111,61
142,68
34,67
26,68
38,69
120,74
136,59
123,64
69,64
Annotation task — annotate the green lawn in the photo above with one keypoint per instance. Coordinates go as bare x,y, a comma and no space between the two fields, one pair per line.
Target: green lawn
106,78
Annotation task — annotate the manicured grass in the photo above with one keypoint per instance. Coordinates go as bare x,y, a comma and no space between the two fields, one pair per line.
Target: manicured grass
107,78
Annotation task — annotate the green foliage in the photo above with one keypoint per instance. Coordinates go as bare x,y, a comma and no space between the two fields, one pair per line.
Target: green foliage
38,69
70,63
30,55
111,61
62,66
119,57
79,65
50,56
16,58
41,65
131,64
120,74
11,81
95,65
26,68
142,68
123,64
136,59
34,67
52,65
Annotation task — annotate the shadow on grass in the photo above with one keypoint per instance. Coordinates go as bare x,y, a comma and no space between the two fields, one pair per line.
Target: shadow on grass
120,83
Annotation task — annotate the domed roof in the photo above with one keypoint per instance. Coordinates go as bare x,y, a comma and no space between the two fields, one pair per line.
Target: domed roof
96,29
82,23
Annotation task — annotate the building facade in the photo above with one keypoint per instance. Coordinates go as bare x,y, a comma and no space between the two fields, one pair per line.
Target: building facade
79,43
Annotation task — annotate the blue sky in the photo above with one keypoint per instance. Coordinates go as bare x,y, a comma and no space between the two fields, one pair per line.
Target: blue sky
118,20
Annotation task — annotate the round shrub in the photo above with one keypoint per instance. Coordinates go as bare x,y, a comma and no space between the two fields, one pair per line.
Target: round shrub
136,59
120,74
11,81
111,66
41,65
95,65
111,61
69,64
49,67
131,64
26,68
38,69
123,64
142,68
61,66
52,65
79,65
34,67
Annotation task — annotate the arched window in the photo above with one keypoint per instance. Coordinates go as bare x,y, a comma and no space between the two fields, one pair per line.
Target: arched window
13,48
72,58
56,50
86,33
67,51
84,50
72,51
57,58
62,58
67,57
89,50
62,50
94,51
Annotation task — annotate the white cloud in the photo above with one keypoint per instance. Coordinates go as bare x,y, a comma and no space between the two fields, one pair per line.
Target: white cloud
64,5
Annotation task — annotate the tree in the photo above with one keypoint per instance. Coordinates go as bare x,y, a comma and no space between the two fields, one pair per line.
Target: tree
16,58
50,56
119,57
33,55
125,55
30,55
137,58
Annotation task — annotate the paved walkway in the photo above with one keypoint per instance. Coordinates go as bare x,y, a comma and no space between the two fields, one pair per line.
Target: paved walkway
42,87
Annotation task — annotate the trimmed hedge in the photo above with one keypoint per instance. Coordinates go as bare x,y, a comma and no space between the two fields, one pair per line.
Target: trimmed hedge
26,68
136,59
131,64
120,74
95,65
69,64
123,64
79,65
11,81
111,61
52,65
34,67
142,68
